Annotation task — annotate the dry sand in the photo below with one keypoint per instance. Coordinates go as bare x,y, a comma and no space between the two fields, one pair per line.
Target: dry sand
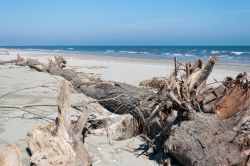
44,90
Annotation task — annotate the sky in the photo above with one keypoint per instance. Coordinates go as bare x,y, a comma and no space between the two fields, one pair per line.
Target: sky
124,22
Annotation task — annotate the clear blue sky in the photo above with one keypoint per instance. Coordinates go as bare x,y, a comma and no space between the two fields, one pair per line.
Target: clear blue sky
124,22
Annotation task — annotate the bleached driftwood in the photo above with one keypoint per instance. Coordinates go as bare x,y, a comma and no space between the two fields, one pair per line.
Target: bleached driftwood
117,97
194,138
10,156
18,59
60,143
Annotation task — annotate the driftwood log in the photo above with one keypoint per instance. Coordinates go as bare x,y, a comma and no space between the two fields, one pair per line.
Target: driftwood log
204,140
117,97
60,143
17,60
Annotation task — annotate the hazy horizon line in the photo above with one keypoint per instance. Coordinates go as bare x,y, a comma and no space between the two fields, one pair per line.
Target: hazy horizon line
77,45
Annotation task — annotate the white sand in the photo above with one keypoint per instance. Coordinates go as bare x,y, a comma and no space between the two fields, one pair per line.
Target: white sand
122,69
129,70
26,84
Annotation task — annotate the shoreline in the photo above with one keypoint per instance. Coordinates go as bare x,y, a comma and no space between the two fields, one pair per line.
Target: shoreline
100,56
124,69
91,56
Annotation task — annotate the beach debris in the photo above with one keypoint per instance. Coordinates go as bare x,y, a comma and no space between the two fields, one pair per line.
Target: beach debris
178,116
4,52
56,63
156,82
124,129
17,60
61,143
243,131
10,156
237,98
120,98
203,140
34,64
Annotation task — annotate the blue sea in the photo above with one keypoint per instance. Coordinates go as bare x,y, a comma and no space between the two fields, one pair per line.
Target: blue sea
232,54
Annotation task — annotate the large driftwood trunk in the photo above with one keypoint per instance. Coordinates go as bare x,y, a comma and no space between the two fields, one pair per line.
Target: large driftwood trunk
117,97
204,140
60,143
194,138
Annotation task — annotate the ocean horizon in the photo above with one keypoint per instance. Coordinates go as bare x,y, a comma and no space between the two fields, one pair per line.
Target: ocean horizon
232,54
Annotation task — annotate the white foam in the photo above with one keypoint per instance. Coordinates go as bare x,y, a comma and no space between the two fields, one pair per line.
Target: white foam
143,52
215,52
128,52
223,56
189,55
56,50
166,53
237,53
109,51
177,54
132,52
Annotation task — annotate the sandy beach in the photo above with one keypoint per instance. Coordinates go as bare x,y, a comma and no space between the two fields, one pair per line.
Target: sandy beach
22,86
124,69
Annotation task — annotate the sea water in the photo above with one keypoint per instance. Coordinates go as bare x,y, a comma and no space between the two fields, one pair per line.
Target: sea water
232,54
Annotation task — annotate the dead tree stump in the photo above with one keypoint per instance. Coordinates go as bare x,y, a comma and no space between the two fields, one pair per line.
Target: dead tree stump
60,143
